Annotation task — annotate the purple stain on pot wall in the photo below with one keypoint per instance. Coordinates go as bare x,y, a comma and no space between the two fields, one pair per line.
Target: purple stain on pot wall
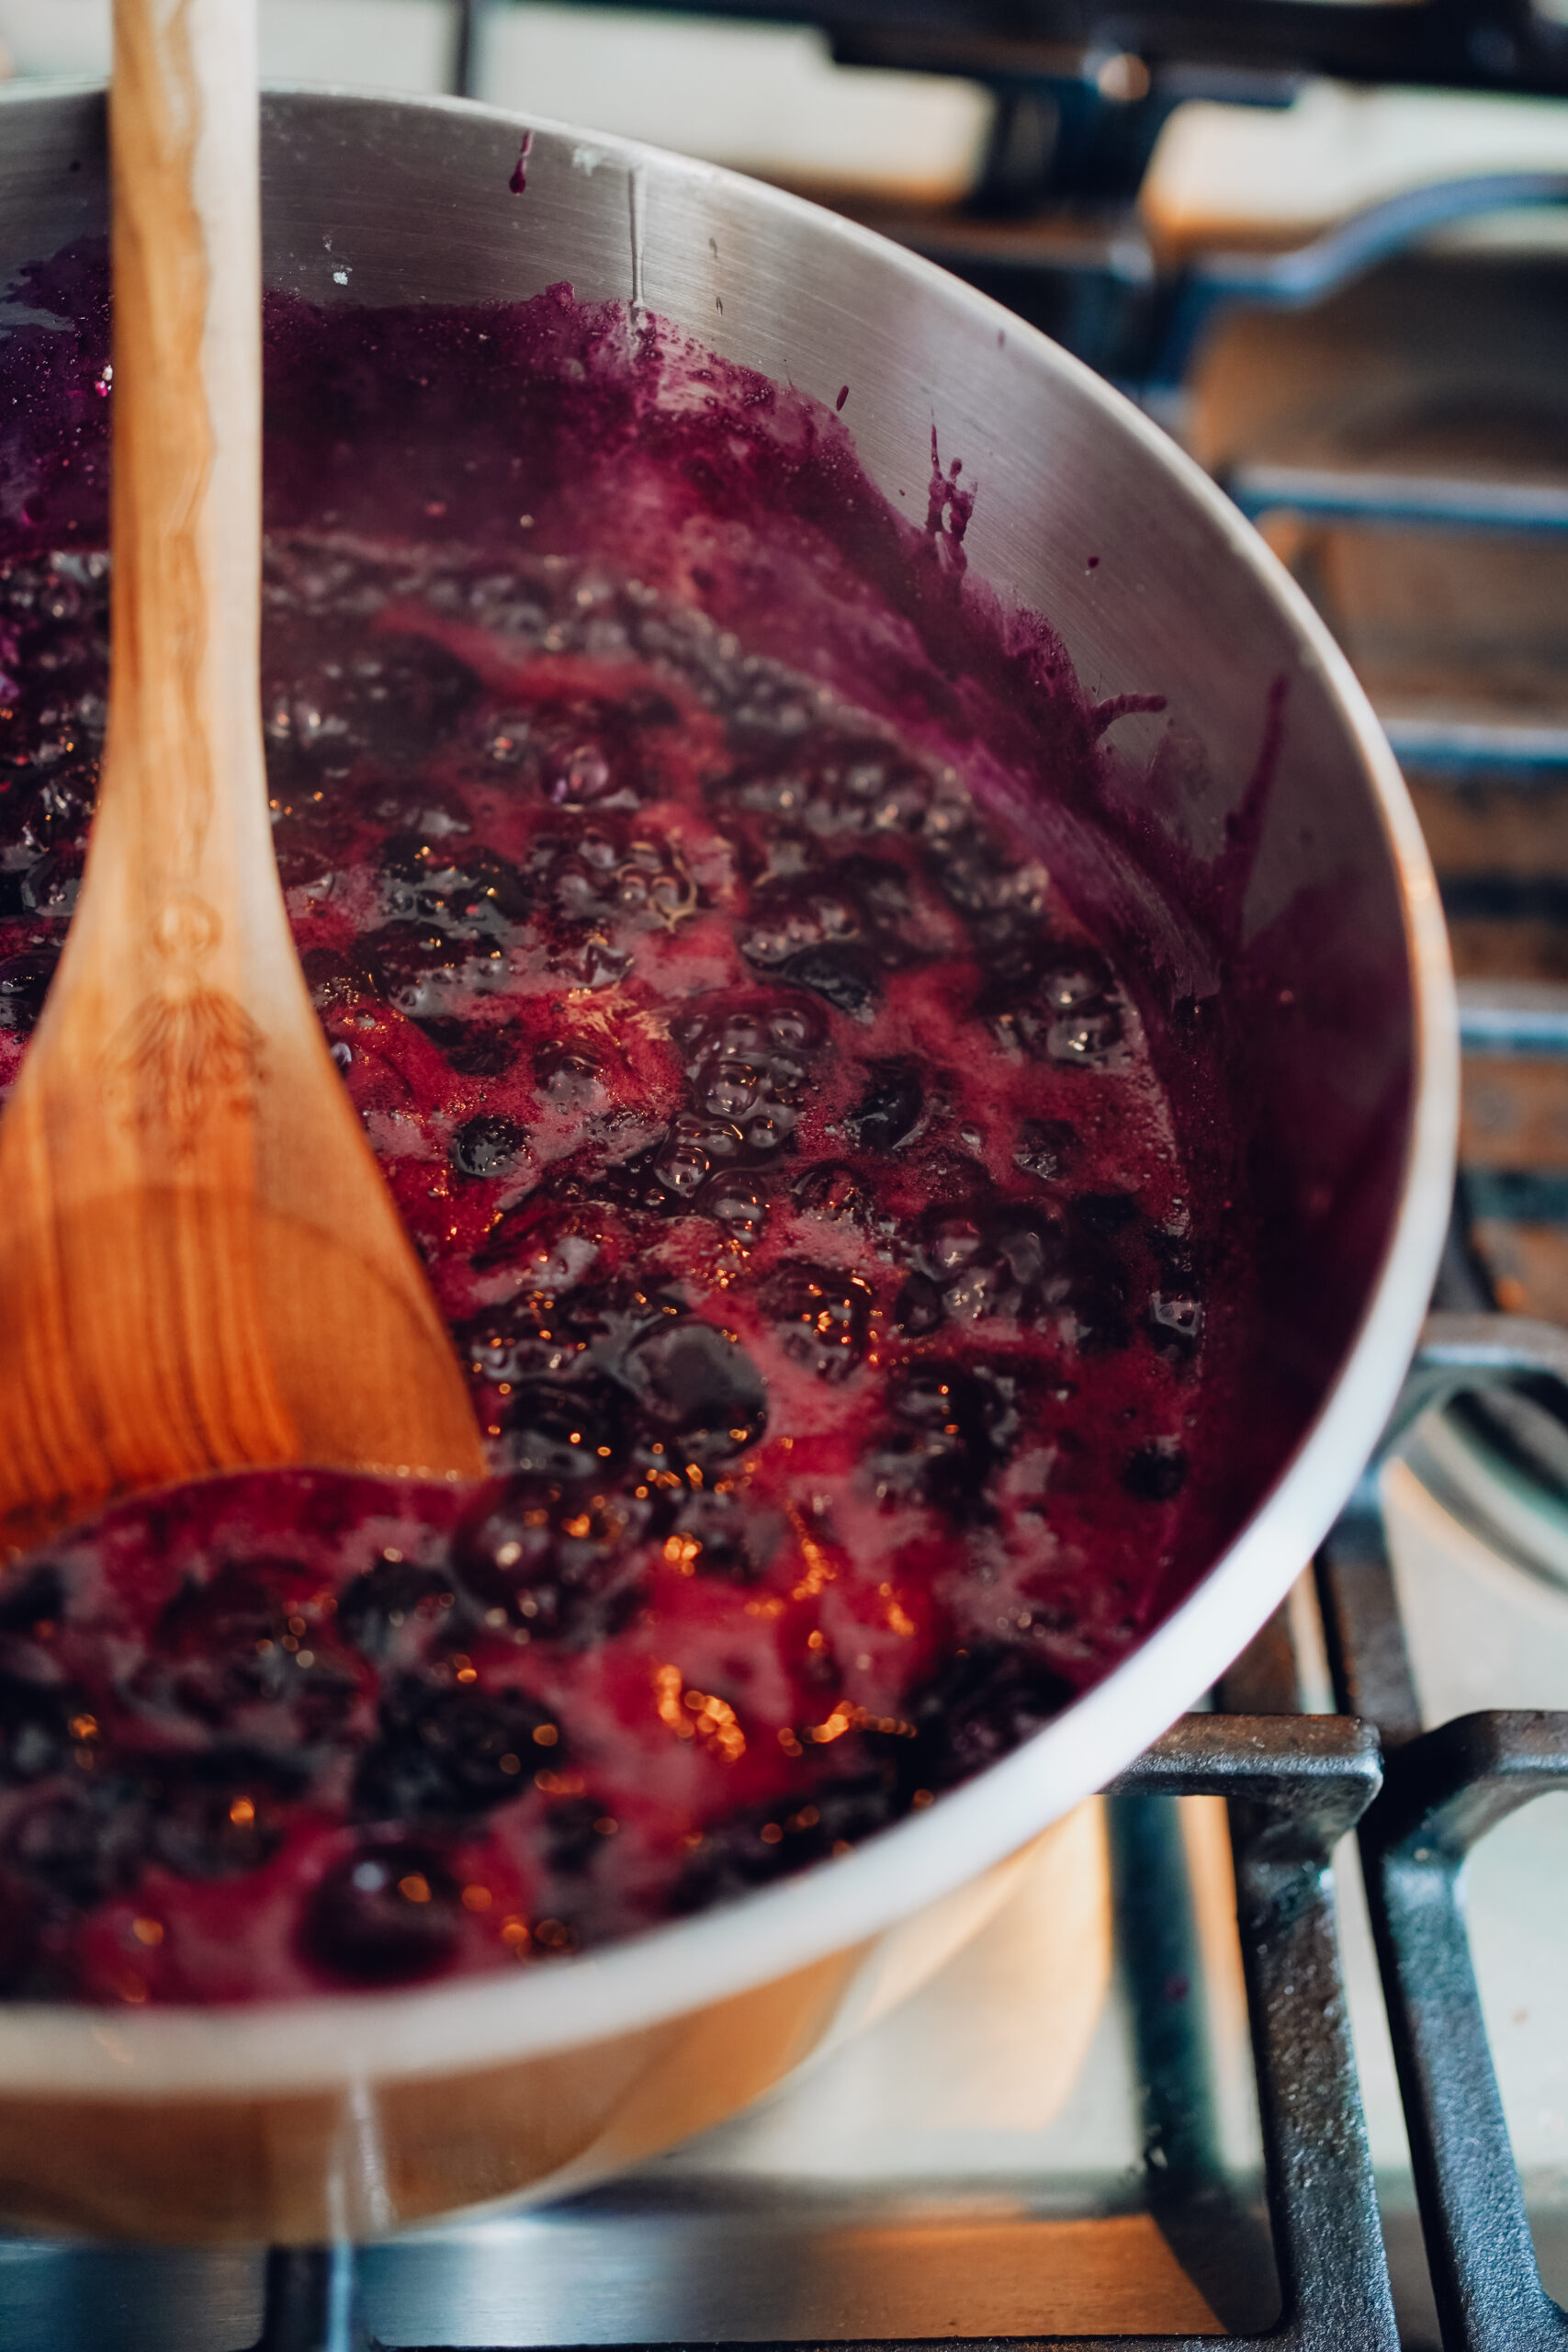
518,183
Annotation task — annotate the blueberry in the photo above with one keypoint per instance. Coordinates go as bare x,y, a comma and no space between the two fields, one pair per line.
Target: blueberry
487,1146
35,1719
374,1608
474,1048
737,1201
1176,1324
32,1598
1155,1473
551,1430
571,1841
1046,1148
725,1535
414,805
823,1315
470,894
386,1914
445,1749
24,984
735,1855
366,694
840,975
566,1073
1104,1214
889,1110
698,1389
423,970
85,1840
49,885
953,1426
336,977
834,1191
226,1645
917,1309
218,1815
978,1706
562,1572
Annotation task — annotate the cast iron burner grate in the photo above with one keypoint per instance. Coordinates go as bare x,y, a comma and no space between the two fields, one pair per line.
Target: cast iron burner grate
1294,1785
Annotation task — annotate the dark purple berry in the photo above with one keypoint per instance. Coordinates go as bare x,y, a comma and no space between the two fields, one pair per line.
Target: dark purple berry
394,1599
337,976
83,1840
699,1391
220,1813
953,1426
823,1315
444,1748
551,1430
840,975
370,695
468,894
735,1855
1046,1148
424,971
978,1706
386,1914
34,1597
24,984
889,1111
1157,1472
550,1567
35,1726
835,1192
487,1146
225,1649
474,1048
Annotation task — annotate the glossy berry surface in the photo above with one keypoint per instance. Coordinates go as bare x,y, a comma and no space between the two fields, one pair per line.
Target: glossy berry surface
794,1177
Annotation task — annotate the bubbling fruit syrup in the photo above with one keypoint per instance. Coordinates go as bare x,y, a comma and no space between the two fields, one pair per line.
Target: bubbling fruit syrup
795,1175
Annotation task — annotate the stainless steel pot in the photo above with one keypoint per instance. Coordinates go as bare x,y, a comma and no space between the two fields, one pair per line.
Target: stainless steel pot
357,2115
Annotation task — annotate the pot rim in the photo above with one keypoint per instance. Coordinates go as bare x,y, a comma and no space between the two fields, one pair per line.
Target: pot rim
319,2043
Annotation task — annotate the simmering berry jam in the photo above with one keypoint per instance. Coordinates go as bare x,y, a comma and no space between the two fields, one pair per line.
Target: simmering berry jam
794,1171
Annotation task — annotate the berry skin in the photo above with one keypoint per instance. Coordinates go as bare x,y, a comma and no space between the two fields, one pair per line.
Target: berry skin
385,1914
824,1316
487,1145
554,1570
35,1717
699,1391
1155,1473
81,1840
220,1813
445,1750
889,1111
392,1605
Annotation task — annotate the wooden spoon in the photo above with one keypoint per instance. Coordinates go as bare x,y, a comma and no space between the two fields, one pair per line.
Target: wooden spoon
200,1266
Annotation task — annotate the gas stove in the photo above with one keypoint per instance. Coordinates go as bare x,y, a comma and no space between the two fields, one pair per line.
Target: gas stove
1299,2070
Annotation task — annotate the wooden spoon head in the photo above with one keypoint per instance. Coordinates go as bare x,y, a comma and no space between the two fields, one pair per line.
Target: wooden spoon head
156,1336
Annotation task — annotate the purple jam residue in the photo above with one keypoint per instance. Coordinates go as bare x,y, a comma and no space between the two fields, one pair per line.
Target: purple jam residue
676,849
518,183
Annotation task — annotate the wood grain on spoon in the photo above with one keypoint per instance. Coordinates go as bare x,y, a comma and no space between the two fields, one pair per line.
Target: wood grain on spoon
200,1266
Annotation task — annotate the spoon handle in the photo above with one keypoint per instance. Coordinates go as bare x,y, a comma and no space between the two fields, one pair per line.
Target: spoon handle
200,1267
182,765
